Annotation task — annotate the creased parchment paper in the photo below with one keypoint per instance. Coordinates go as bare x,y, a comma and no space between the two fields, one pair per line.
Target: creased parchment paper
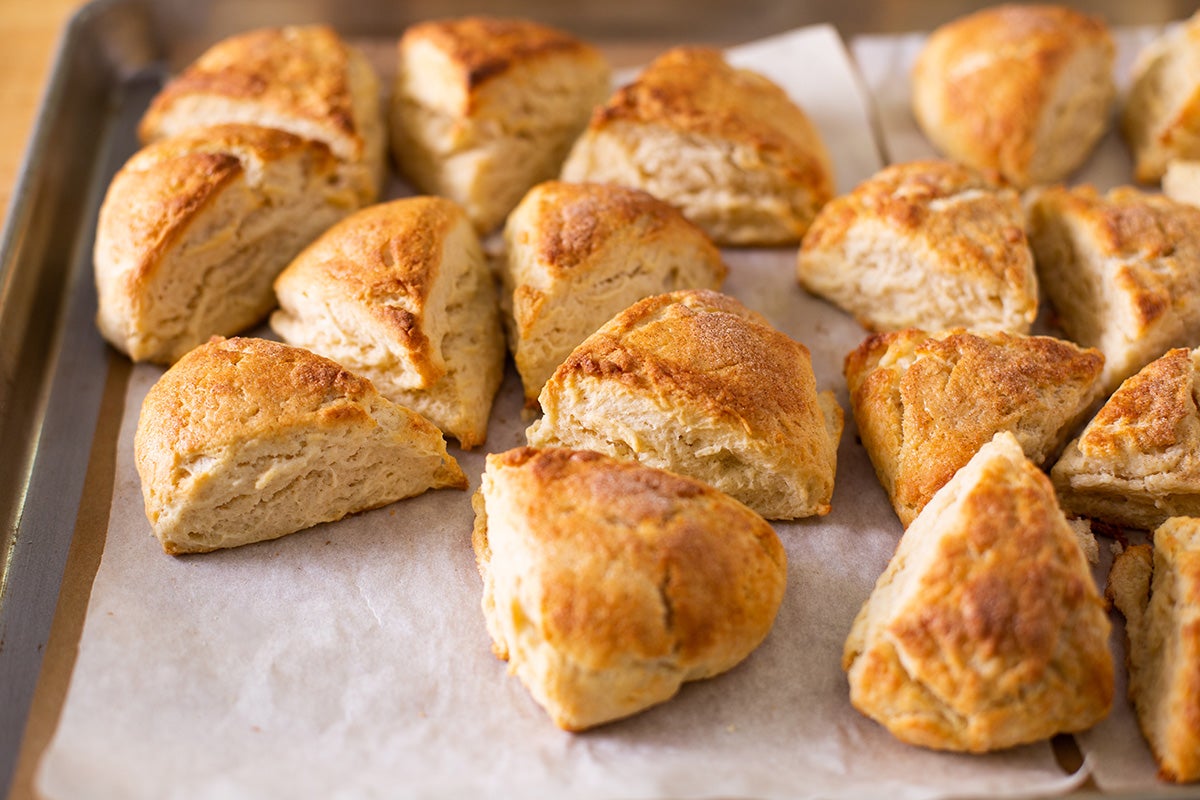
351,660
1116,753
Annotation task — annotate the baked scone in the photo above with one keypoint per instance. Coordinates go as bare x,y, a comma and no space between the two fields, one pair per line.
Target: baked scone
986,630
244,440
1158,591
725,145
1024,90
483,108
302,79
1161,116
926,244
926,402
1181,181
1138,461
1122,270
576,254
696,383
608,584
194,229
401,293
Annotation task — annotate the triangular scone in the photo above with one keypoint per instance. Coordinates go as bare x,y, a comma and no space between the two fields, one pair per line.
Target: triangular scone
401,293
695,382
1158,591
1138,461
926,402
1122,270
726,146
244,440
578,253
303,79
985,631
927,244
608,584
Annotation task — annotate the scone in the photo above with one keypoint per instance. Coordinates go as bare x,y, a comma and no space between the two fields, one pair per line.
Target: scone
576,254
1122,270
244,440
986,630
194,229
1161,115
1158,591
696,383
482,109
726,146
401,293
1138,461
926,402
1024,90
608,584
1181,181
302,79
927,244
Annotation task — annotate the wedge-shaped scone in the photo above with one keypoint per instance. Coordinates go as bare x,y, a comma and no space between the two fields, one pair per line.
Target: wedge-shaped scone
194,229
1122,270
400,293
985,631
1158,591
483,109
926,244
302,79
926,402
725,145
1138,461
695,382
244,440
608,584
1024,90
576,254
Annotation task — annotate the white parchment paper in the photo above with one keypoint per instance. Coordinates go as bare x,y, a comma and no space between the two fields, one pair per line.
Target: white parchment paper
351,660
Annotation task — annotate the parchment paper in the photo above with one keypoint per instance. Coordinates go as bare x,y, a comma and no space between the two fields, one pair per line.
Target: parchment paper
351,660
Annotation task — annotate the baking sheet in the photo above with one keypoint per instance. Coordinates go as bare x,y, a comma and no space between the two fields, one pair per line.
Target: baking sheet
351,660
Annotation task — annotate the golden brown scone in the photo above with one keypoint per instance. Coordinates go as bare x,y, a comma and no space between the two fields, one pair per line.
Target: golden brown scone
194,229
986,630
576,254
927,244
302,79
1161,116
695,382
1158,591
401,293
1122,270
725,145
1138,461
1024,90
244,440
483,108
608,584
926,402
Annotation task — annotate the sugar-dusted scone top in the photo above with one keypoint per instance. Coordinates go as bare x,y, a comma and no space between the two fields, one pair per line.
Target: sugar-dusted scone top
303,79
1024,90
194,228
401,293
926,244
607,584
244,440
695,382
483,108
1122,270
577,254
726,146
1157,589
986,630
926,402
